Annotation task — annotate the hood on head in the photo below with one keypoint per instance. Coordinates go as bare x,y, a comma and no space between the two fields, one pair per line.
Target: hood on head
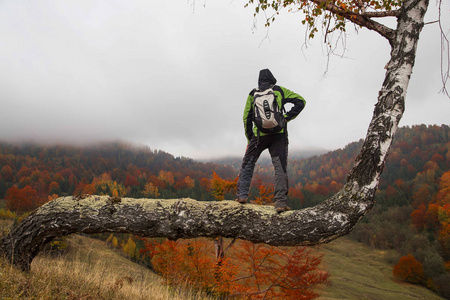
266,79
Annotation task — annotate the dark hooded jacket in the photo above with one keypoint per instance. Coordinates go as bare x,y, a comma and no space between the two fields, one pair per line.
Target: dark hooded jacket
267,80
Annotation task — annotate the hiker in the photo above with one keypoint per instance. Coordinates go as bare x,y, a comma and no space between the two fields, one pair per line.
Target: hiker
269,132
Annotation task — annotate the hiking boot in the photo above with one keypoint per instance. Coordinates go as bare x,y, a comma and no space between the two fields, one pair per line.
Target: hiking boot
241,201
281,209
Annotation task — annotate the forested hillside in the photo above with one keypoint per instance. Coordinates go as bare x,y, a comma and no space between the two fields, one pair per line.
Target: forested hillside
30,174
412,210
411,215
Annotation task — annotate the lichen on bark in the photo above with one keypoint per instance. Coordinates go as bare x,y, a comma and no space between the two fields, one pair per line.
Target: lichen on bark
177,218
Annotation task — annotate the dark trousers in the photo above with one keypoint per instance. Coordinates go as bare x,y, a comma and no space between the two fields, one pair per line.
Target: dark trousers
278,149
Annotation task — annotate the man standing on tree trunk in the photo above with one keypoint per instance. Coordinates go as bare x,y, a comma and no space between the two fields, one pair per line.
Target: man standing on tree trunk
265,110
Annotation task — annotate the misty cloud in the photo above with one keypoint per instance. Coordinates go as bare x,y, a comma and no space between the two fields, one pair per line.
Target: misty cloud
176,78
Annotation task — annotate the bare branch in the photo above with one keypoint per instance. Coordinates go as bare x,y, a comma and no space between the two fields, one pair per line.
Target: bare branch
429,23
229,246
380,14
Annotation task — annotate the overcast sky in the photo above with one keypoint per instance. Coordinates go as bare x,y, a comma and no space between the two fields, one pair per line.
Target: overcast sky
175,77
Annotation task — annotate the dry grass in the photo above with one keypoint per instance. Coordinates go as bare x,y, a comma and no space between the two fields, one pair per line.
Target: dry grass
359,272
88,270
5,225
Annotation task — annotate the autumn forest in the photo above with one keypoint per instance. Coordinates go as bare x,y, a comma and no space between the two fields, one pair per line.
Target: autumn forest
411,216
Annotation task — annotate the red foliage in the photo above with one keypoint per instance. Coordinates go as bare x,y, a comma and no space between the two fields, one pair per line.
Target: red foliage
265,195
435,216
219,186
422,196
90,189
296,194
7,173
54,188
184,183
278,273
180,184
24,172
334,187
322,190
160,184
432,217
190,262
437,158
167,177
21,200
205,183
130,180
418,217
410,269
253,271
443,195
391,192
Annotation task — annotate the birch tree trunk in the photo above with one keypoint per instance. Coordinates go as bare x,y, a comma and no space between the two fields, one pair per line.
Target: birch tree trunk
363,179
186,218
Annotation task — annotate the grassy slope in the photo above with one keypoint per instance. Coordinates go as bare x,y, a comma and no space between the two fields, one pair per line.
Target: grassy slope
89,270
5,225
359,272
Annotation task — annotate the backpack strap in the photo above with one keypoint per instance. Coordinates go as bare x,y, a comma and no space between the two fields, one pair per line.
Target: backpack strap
257,137
278,89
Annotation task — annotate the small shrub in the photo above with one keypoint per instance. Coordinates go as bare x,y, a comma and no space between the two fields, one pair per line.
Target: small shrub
57,246
409,269
6,214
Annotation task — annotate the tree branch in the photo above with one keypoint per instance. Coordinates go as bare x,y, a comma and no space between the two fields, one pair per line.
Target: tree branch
362,19
181,218
230,245
380,14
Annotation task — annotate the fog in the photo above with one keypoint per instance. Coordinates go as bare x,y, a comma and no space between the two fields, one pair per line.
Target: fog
175,76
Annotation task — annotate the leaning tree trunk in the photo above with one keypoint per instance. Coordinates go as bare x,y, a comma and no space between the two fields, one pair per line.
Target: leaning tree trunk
186,218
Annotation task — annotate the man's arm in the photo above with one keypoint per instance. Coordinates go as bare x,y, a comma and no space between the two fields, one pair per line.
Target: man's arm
248,113
297,100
